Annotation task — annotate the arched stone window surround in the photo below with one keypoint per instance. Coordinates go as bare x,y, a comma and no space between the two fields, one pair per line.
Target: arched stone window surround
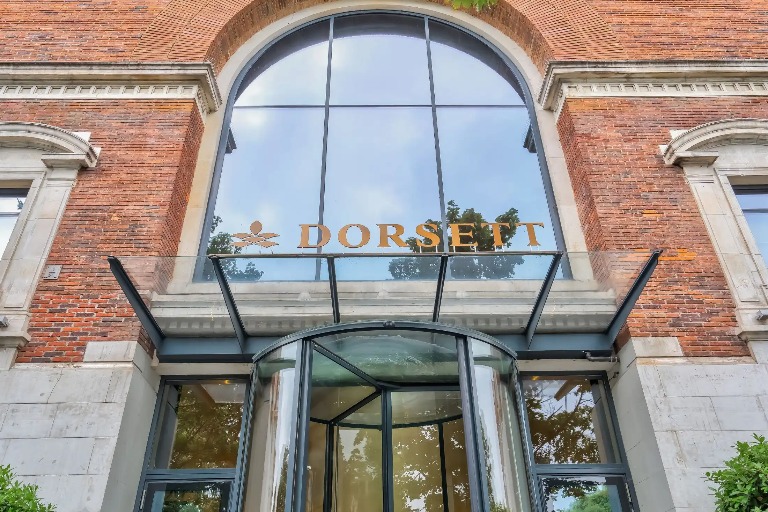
715,157
212,145
45,160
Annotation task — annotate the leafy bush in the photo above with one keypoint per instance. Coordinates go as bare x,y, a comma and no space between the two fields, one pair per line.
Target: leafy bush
477,5
743,485
18,497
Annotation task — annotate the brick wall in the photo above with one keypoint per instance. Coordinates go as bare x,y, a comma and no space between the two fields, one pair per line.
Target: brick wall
133,203
630,200
196,30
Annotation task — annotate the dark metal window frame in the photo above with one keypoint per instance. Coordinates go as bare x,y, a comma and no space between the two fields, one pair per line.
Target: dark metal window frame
539,472
150,475
528,104
479,495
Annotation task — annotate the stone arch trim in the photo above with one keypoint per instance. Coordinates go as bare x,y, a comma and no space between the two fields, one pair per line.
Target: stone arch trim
692,144
61,146
213,29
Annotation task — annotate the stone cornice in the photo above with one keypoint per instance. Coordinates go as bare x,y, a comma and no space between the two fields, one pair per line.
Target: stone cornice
685,148
64,148
652,79
84,81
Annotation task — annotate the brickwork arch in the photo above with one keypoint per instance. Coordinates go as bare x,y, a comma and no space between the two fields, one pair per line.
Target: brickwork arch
213,29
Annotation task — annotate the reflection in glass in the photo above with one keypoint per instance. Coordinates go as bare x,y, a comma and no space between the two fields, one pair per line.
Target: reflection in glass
429,460
381,168
754,203
586,494
187,497
11,204
499,430
379,59
568,420
201,425
483,151
397,356
254,179
274,409
291,72
468,72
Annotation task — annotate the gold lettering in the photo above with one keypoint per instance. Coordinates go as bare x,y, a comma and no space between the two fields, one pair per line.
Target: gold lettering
325,236
532,242
385,236
365,236
456,233
433,237
496,228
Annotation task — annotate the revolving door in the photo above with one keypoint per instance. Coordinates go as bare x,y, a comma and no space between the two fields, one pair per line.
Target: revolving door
422,419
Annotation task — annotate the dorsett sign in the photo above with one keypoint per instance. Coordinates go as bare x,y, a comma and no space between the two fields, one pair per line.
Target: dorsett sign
355,236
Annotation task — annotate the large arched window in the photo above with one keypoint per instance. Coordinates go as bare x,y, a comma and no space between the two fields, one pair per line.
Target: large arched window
379,118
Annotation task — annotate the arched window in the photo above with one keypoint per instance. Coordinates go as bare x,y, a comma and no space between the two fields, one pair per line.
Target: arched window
379,118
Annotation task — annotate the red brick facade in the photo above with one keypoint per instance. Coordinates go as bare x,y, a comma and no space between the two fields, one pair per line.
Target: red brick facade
135,201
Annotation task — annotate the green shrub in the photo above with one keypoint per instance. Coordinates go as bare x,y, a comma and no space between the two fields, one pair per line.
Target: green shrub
743,485
18,497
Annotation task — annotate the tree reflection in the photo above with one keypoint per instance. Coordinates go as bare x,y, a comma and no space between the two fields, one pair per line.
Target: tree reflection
221,243
207,433
562,433
203,500
501,267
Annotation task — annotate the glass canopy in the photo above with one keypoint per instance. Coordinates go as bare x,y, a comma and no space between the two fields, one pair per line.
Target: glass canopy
236,305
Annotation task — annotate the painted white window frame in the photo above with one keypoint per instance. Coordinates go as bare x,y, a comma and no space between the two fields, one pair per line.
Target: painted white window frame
714,157
45,160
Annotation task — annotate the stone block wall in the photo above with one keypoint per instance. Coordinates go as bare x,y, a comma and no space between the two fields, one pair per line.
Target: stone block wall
680,417
79,431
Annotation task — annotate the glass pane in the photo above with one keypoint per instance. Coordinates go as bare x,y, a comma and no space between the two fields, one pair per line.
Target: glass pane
273,420
12,201
457,478
11,204
758,225
293,71
7,223
399,356
379,59
254,184
335,390
381,169
410,408
358,481
586,494
468,72
568,420
201,425
499,429
428,473
187,497
489,171
752,200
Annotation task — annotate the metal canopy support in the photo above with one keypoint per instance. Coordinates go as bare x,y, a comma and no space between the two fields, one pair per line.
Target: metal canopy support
538,307
142,311
334,288
229,300
634,293
440,285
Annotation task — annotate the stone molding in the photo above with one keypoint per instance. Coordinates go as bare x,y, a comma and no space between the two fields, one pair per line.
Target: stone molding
50,164
66,149
687,78
683,149
706,155
110,81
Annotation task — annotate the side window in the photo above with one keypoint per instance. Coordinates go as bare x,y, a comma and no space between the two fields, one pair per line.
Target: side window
577,461
196,438
754,203
11,203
